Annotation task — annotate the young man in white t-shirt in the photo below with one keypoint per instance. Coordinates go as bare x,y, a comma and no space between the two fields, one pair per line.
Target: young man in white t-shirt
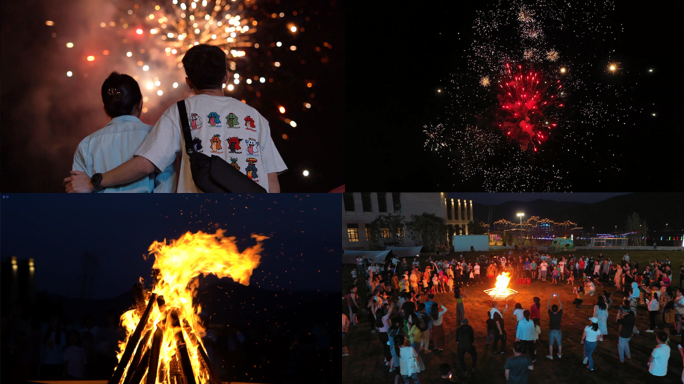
220,126
657,362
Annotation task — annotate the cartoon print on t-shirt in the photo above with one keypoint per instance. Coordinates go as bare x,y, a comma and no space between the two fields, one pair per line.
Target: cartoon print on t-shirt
252,169
234,144
214,120
233,121
233,162
216,144
249,124
252,147
195,121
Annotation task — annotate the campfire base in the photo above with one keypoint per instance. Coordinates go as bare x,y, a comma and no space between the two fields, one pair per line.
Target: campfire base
510,294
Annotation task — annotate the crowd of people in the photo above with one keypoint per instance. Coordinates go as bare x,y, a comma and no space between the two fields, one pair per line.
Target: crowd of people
402,306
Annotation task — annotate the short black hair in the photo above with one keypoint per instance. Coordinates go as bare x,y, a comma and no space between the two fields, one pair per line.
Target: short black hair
444,369
120,94
205,65
518,346
554,308
662,336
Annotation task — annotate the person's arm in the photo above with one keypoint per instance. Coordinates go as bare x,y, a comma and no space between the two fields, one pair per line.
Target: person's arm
530,367
548,305
444,309
560,303
132,170
273,183
584,336
507,371
498,325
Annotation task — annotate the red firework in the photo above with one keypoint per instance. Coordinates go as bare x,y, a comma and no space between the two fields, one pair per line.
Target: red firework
528,103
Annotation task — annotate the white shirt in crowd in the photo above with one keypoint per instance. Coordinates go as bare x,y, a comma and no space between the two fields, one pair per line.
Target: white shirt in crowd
519,314
220,126
591,334
661,354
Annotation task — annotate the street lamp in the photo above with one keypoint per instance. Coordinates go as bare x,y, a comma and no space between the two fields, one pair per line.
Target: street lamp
520,215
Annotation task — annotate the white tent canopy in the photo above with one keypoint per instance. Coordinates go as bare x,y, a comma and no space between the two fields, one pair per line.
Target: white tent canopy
349,257
402,252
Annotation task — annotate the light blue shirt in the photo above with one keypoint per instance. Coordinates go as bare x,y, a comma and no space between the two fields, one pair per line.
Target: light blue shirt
525,330
114,145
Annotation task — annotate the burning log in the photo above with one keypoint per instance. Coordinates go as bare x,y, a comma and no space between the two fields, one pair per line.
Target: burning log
154,356
501,292
142,368
136,358
133,342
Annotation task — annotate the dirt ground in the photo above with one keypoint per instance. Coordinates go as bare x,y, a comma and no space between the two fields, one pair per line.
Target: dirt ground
366,363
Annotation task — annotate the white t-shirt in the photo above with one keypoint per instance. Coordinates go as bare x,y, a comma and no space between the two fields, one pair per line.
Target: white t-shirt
543,266
661,354
222,126
519,314
591,334
477,269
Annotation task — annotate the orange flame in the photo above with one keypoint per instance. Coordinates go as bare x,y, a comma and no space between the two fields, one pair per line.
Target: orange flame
178,264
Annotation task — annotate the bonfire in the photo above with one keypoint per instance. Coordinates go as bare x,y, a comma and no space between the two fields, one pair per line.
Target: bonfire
164,332
501,292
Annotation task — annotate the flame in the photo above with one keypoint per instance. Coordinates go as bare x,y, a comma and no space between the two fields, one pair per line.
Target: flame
501,289
177,266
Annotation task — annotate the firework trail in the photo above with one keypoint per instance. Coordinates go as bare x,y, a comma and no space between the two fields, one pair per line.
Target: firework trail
532,100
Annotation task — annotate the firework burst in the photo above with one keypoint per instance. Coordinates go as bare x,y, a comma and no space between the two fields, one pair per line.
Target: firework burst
538,121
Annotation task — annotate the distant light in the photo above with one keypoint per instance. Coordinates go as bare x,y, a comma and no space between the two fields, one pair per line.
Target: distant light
105,52
293,48
282,109
293,29
154,31
213,37
157,83
103,25
262,80
146,67
230,87
285,136
129,54
139,31
181,37
49,23
169,35
305,173
69,73
249,81
439,91
150,85
90,58
70,45
140,63
653,114
175,85
309,85
563,70
160,92
277,64
144,110
151,16
293,124
236,81
279,44
650,70
174,51
237,75
307,105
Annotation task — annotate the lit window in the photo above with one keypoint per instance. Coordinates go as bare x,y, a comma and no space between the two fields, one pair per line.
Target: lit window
353,232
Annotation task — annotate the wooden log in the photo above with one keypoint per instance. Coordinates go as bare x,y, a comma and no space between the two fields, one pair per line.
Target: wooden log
141,368
213,375
136,359
185,358
154,356
139,296
133,342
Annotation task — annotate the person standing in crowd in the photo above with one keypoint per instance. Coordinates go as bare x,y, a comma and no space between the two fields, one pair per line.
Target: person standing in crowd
425,325
535,309
519,314
555,334
476,273
465,339
54,341
74,358
657,362
383,330
498,324
634,300
460,309
395,331
590,339
409,361
437,327
345,330
626,321
525,333
413,331
517,366
352,302
679,311
601,313
653,308
579,295
544,266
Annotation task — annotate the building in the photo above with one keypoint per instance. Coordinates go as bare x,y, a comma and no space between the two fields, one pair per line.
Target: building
359,209
18,281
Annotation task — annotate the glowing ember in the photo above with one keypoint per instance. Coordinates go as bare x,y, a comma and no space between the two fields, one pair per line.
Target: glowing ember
528,107
172,329
501,290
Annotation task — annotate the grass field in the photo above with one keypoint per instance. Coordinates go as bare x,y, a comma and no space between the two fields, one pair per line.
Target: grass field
365,363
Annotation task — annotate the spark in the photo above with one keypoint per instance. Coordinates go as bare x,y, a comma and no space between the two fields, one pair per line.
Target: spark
552,55
484,81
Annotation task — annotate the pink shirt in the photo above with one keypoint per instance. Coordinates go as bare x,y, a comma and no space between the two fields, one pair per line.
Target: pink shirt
534,312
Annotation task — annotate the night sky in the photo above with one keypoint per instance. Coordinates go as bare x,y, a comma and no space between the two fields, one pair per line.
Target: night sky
415,48
302,252
45,113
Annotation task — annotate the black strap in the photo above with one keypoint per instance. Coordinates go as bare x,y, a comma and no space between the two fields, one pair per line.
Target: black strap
189,147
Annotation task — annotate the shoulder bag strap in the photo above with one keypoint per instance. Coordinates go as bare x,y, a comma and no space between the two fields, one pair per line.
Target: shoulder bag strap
185,127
